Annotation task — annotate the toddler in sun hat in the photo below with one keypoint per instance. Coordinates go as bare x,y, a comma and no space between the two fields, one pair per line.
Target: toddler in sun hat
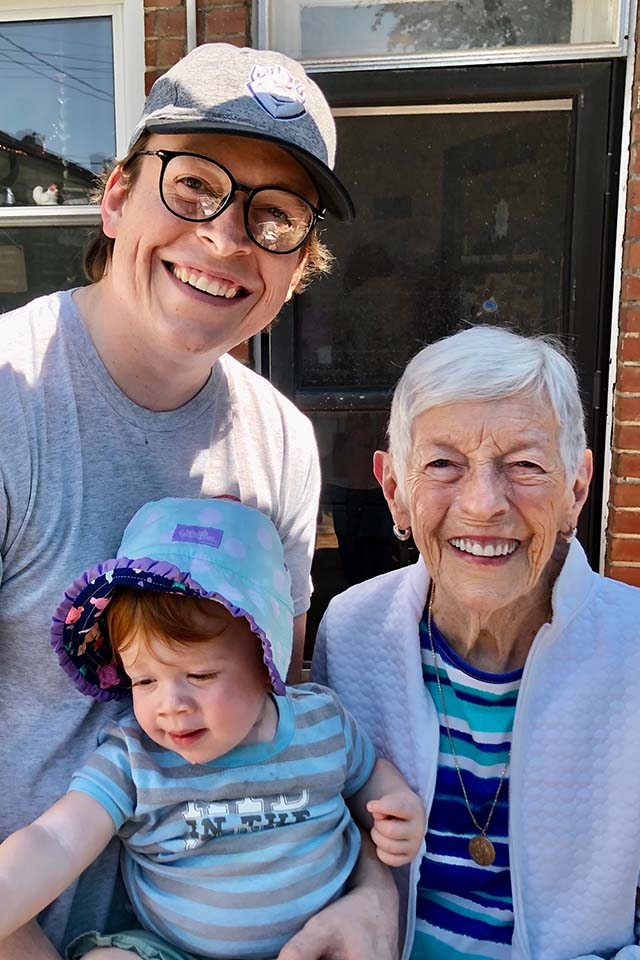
228,789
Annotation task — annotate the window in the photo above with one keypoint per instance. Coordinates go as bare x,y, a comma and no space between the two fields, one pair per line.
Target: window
73,81
322,31
58,126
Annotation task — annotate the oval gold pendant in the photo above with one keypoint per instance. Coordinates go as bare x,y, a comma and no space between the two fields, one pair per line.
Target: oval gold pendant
482,850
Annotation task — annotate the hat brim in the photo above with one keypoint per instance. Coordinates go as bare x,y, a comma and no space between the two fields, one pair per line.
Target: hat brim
76,622
334,196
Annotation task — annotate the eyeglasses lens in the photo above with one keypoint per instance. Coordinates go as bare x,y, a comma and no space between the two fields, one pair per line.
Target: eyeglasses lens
278,220
197,189
194,188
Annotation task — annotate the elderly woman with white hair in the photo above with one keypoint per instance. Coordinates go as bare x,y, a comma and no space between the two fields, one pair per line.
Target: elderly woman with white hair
499,673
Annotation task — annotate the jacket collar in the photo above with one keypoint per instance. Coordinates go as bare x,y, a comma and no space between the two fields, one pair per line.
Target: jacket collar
572,587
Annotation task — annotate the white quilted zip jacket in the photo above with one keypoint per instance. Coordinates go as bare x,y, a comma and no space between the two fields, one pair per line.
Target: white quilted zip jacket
574,817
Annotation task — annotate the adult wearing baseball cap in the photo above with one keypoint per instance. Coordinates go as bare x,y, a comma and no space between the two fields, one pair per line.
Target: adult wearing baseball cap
122,392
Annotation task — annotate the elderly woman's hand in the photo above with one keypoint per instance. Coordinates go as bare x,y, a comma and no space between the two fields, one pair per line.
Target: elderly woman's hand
361,925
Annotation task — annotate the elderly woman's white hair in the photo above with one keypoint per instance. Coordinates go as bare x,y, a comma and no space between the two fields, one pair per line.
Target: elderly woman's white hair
487,363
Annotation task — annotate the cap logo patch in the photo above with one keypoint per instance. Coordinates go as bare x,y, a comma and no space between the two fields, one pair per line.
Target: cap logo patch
187,533
277,92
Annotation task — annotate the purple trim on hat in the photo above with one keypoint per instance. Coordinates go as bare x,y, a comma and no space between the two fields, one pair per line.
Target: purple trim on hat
125,572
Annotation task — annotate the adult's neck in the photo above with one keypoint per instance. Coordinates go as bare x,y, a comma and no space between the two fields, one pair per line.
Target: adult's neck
497,641
154,379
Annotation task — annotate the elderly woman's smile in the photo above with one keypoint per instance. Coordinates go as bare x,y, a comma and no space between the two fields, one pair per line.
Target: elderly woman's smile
485,548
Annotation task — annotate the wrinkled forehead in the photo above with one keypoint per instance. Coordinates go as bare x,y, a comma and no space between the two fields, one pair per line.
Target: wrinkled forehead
510,423
251,161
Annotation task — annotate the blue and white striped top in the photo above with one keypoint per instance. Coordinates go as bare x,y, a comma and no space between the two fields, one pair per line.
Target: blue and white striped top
464,909
229,859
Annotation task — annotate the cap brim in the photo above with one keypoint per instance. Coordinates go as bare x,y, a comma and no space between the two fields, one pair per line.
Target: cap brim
334,196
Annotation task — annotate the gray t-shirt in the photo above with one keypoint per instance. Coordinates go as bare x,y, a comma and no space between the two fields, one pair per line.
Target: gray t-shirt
77,459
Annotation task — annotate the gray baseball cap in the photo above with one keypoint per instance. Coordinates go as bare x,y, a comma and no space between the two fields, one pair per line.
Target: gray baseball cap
219,88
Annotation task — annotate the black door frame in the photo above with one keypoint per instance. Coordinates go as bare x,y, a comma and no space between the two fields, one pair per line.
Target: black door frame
596,88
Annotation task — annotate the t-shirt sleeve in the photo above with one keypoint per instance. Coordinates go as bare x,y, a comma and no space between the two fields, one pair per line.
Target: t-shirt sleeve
275,457
297,528
106,776
16,463
359,752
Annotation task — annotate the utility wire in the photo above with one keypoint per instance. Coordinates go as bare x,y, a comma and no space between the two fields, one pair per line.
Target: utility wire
68,56
28,66
47,63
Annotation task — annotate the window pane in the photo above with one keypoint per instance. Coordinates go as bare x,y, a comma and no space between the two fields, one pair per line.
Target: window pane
317,29
37,260
462,217
57,125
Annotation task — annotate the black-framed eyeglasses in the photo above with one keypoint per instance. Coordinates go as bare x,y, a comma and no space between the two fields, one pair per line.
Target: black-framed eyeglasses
198,189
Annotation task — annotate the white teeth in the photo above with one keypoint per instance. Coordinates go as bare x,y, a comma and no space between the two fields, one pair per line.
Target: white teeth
216,288
486,550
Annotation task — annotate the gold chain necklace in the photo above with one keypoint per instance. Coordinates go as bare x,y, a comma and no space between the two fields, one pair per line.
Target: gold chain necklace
480,847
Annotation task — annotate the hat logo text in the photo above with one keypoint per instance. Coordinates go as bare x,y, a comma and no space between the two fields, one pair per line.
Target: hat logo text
277,92
187,533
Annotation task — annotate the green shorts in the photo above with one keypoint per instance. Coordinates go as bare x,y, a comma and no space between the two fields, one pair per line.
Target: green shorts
141,942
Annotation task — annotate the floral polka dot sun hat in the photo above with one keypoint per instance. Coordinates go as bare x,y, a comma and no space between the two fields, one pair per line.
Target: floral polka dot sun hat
219,549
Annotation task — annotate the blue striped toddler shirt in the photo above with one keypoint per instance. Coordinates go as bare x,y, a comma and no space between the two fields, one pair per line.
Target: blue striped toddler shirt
229,858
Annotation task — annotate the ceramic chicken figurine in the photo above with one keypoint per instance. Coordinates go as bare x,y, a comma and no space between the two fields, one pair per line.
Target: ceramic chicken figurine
46,197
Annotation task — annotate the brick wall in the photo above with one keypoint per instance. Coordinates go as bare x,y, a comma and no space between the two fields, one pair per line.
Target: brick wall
623,533
228,20
165,30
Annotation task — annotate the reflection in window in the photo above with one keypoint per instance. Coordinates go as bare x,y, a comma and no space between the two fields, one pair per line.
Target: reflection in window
467,226
318,29
36,260
57,127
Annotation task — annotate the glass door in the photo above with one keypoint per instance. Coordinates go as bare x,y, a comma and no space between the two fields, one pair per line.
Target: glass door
482,195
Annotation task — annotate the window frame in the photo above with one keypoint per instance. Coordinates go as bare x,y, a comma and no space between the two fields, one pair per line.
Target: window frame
617,47
127,31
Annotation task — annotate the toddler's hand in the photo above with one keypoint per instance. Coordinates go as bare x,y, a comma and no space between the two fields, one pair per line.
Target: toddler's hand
399,825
